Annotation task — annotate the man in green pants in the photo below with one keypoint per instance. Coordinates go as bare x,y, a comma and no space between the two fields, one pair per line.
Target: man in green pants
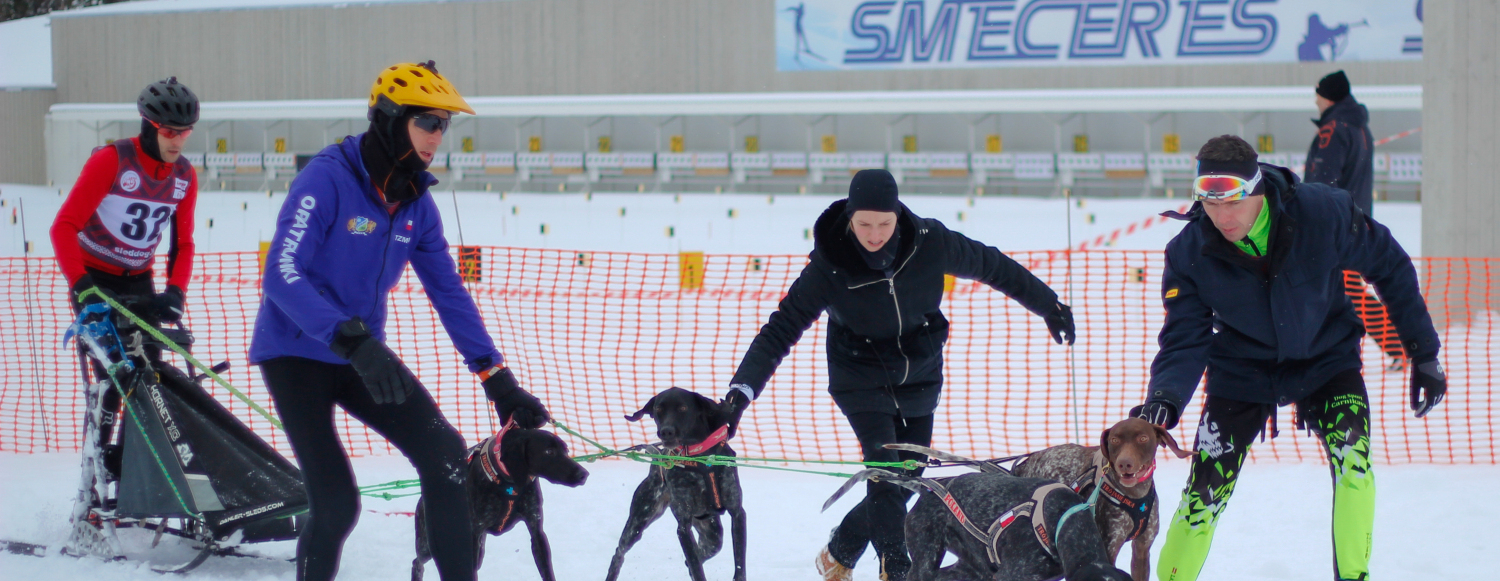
1254,292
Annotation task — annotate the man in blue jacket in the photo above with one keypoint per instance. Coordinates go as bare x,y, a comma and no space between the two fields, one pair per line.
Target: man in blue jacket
1253,288
355,217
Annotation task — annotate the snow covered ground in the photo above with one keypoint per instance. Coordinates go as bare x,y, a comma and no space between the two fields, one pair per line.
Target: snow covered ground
1277,527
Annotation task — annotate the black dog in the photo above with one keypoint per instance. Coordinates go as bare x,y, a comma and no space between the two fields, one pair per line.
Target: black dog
1000,527
503,489
688,425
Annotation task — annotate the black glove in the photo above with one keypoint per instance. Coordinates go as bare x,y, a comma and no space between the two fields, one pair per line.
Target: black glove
84,283
1157,412
514,403
167,306
732,407
1427,376
1060,323
388,380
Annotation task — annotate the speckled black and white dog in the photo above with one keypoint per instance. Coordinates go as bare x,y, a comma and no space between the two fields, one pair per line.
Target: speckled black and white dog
1000,527
1120,468
503,490
688,424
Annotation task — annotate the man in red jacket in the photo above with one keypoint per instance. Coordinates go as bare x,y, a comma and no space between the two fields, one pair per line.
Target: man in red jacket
117,213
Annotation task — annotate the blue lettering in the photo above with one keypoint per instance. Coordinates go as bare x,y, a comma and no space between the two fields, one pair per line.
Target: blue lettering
985,28
1194,21
1121,28
875,32
1145,30
1024,48
1085,24
944,31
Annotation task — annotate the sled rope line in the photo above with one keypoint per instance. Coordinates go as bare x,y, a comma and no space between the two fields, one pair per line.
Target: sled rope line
383,490
716,460
185,355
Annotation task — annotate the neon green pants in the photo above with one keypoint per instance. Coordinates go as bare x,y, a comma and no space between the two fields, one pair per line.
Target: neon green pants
1339,414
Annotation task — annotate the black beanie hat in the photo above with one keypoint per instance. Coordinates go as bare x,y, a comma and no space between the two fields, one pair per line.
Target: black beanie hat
1334,87
873,189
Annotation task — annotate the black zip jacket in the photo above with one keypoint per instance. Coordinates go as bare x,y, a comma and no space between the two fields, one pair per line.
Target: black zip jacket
1276,329
885,334
1342,155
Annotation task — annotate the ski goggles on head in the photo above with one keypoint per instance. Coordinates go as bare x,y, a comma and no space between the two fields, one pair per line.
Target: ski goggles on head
171,132
1224,187
431,123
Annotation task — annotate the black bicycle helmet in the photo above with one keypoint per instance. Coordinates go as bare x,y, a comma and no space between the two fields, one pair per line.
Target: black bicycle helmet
168,102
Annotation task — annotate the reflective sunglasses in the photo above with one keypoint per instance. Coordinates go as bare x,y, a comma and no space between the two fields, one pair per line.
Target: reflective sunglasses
1224,188
170,132
431,123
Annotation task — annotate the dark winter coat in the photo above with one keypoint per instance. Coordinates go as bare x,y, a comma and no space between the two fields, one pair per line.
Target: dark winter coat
1275,329
1343,153
885,334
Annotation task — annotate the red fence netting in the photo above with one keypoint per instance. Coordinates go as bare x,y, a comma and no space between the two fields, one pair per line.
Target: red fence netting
595,334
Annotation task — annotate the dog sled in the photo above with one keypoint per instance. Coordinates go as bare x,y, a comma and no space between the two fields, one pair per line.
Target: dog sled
181,464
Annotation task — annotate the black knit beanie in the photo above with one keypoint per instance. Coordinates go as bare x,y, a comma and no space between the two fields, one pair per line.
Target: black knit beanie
873,189
1334,87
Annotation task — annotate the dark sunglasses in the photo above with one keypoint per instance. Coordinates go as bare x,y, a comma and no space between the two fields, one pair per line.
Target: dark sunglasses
171,132
431,123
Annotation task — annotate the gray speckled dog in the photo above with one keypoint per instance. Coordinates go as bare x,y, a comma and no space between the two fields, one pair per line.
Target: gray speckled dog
1121,466
1000,527
688,425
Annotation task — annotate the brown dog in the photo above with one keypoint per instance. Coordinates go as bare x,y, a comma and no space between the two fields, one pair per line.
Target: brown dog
1120,467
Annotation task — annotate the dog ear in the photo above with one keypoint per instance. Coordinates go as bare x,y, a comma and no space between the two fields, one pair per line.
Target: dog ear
646,409
709,409
1163,437
1104,443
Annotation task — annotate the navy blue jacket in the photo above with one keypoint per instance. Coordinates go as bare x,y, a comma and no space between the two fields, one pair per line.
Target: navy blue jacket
337,253
1342,155
1275,329
886,330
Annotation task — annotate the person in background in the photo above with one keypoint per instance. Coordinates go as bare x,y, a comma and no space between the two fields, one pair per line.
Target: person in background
1342,155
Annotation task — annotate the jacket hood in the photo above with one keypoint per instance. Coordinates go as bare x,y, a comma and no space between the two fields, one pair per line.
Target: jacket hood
349,157
832,241
1348,111
1281,185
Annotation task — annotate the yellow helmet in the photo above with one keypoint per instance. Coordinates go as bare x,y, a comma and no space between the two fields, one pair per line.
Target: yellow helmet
415,85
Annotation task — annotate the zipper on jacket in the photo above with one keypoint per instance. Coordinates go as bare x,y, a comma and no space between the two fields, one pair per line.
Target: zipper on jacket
900,330
384,254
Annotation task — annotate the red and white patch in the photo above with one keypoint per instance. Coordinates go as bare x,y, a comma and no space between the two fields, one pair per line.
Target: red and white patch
130,181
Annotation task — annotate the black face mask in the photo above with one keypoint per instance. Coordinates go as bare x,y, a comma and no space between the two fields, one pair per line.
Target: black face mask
390,158
148,140
884,258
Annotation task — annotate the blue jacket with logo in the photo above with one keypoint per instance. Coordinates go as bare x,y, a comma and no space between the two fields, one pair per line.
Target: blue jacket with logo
337,253
1277,328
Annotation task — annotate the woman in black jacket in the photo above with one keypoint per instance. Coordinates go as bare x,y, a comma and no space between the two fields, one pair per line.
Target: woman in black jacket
878,271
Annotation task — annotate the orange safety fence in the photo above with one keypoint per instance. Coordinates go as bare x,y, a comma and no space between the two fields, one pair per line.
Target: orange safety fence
595,334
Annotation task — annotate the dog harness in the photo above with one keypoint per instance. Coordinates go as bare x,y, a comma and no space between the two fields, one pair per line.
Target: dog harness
990,536
488,455
1096,478
707,445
